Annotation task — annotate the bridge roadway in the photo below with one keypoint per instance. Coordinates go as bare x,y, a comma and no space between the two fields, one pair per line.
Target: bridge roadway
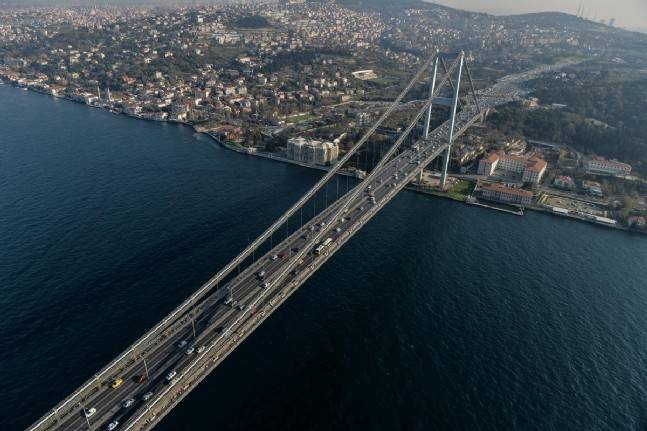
214,321
220,328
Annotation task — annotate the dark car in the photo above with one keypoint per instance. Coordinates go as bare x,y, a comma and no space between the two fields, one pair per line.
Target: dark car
140,378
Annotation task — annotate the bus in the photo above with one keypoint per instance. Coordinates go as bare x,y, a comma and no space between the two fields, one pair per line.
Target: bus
325,245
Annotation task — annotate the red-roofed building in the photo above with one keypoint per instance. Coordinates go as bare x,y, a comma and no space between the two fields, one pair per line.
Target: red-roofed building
598,165
511,195
531,169
534,170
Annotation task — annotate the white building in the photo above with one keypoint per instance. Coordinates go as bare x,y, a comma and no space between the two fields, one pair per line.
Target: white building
598,165
501,193
312,151
531,169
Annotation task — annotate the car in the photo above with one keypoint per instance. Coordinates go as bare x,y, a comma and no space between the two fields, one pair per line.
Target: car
229,300
266,285
312,228
181,344
112,425
295,249
260,274
89,412
129,402
295,272
361,208
171,375
322,224
189,351
282,255
200,349
140,378
274,257
116,383
338,229
147,396
241,307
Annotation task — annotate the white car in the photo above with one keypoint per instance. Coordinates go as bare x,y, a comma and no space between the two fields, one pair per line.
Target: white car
112,425
170,375
182,343
89,412
200,349
274,257
266,285
129,402
189,351
147,396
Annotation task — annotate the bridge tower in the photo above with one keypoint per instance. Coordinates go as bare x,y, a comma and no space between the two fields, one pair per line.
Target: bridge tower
452,120
432,88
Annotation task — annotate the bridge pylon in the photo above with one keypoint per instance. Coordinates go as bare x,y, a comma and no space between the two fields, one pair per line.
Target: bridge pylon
452,120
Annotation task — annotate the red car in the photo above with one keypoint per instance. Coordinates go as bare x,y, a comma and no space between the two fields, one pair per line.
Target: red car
141,378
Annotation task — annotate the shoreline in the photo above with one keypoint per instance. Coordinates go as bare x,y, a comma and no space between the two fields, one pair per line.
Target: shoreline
268,156
491,206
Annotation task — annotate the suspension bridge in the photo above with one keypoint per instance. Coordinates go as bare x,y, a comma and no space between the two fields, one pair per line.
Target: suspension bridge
143,383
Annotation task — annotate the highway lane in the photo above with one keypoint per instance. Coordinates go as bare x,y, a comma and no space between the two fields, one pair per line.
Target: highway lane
122,363
167,356
163,355
381,188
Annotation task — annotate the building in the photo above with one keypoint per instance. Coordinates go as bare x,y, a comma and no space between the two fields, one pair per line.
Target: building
534,171
592,188
564,182
598,165
531,169
510,195
488,164
312,151
512,163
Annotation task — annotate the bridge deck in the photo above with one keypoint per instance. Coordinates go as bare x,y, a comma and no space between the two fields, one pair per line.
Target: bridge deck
219,327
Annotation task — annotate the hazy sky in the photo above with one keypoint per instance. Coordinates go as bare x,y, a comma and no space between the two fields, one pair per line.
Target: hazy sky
628,13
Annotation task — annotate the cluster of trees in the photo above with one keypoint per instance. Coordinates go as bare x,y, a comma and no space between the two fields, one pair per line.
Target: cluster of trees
604,115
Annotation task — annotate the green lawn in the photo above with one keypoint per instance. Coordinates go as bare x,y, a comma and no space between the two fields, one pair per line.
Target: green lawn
300,118
458,192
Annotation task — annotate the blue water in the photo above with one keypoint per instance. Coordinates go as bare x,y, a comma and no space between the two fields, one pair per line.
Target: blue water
436,316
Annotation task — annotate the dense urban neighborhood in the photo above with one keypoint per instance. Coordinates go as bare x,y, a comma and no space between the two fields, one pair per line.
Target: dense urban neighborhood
299,82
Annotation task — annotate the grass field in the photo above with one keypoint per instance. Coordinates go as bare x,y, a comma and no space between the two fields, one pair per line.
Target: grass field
300,118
